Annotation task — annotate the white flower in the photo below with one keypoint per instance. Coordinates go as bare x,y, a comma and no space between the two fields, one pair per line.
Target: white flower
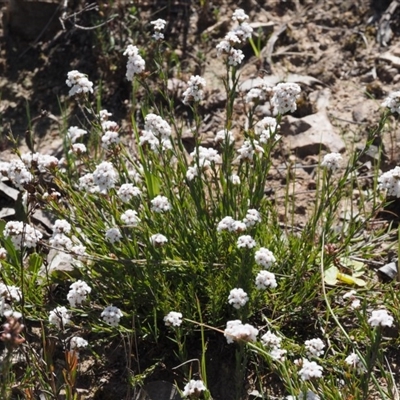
264,257
355,362
235,57
314,347
226,224
105,176
238,298
22,234
159,24
78,148
380,318
43,162
284,98
160,204
224,47
104,114
60,241
129,217
10,292
277,353
243,31
255,94
135,64
269,339
113,235
111,315
173,318
109,139
127,191
206,156
310,370
194,92
264,128
192,172
61,226
235,179
236,331
3,253
249,149
252,217
224,136
74,133
158,240
86,183
239,15
393,102
194,388
78,293
331,161
158,126
18,174
355,303
77,343
265,279
238,226
246,241
390,181
79,83
60,317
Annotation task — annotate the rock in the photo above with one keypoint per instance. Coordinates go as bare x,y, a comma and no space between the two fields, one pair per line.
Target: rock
6,212
319,136
9,191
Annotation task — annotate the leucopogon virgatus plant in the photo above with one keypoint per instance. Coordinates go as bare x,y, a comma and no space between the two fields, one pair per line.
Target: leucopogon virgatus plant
146,226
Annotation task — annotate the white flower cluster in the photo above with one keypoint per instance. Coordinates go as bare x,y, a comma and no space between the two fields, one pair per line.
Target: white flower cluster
236,331
159,25
3,253
22,234
259,94
194,388
74,133
195,90
60,317
354,361
111,315
284,98
225,137
246,241
105,176
264,257
393,102
79,83
331,161
158,240
235,179
264,128
113,235
42,162
59,238
265,279
78,148
380,318
203,158
17,173
390,181
157,133
235,37
248,149
78,293
10,292
273,343
314,347
351,295
160,204
76,343
238,298
173,318
135,64
231,225
310,370
127,191
309,396
130,218
110,139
